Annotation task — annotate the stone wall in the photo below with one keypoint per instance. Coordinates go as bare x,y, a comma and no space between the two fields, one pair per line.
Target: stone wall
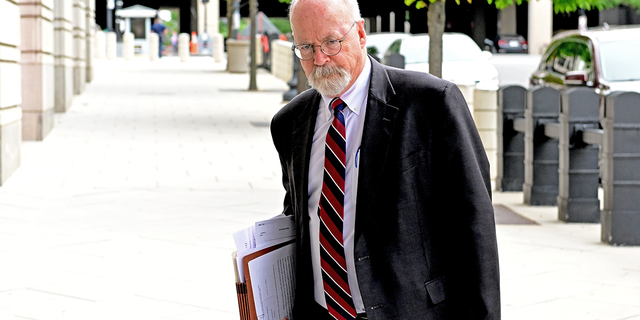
80,45
45,57
10,89
64,62
37,61
90,18
282,59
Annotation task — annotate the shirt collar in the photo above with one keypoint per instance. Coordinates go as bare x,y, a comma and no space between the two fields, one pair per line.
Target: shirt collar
356,96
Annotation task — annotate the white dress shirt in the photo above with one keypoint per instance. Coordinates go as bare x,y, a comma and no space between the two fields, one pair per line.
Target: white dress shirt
356,101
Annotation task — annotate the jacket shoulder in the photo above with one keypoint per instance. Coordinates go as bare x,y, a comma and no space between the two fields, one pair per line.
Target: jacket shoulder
416,81
295,108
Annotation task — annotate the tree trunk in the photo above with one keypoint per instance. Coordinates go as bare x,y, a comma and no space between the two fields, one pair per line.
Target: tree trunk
229,18
435,21
253,11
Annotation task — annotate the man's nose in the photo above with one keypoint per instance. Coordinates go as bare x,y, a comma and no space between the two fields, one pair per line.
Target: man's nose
319,57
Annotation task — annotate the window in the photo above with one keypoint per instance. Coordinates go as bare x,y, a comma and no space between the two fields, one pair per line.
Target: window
583,60
138,28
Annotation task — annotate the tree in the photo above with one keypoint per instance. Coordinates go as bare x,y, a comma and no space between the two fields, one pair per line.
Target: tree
436,19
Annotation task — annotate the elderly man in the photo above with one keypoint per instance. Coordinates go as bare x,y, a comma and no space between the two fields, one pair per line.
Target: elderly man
388,181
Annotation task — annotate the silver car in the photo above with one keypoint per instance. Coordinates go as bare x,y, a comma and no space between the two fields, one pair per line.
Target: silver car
606,59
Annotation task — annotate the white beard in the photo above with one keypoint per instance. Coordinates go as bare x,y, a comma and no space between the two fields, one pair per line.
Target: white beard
329,81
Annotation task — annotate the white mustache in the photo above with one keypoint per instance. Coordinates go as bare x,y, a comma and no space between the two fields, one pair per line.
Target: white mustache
325,71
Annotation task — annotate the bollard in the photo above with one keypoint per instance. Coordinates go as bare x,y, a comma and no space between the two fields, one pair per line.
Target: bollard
511,105
620,217
485,106
112,45
101,44
578,161
128,46
183,47
540,186
154,47
467,89
218,47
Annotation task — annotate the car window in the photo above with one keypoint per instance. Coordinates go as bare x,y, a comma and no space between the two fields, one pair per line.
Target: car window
620,60
561,58
395,47
583,60
563,61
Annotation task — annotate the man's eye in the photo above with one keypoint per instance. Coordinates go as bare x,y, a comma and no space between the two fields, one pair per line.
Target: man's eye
331,42
304,47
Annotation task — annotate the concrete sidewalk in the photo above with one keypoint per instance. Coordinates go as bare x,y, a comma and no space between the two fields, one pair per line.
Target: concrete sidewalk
126,210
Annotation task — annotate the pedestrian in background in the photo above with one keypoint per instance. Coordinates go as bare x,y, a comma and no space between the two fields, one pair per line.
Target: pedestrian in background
161,30
388,181
174,42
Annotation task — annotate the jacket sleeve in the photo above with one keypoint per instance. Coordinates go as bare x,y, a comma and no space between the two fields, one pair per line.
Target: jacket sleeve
471,217
280,141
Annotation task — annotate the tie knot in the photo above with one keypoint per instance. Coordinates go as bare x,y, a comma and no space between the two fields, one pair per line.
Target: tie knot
337,105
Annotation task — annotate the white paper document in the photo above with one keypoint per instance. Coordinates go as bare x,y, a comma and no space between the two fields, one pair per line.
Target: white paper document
274,231
261,235
273,282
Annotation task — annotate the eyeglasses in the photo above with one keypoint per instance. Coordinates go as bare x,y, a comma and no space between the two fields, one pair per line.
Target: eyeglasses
329,47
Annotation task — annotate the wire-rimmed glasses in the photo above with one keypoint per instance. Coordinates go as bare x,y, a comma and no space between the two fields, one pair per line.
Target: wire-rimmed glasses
329,47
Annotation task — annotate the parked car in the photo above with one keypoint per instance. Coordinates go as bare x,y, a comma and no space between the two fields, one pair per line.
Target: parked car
507,43
605,59
378,43
462,60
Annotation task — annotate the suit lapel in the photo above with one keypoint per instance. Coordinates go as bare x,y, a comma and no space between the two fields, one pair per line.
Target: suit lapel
302,138
378,128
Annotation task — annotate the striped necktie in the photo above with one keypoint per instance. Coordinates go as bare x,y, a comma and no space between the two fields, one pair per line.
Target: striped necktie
331,212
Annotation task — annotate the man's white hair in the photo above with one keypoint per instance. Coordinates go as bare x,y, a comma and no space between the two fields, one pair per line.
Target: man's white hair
350,7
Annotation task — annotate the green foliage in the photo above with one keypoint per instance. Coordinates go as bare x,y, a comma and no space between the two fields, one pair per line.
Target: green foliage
282,24
558,5
172,25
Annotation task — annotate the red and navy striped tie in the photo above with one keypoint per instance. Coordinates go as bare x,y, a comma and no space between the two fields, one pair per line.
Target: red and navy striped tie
331,212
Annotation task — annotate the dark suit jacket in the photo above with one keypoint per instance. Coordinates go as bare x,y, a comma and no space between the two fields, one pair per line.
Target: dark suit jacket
425,243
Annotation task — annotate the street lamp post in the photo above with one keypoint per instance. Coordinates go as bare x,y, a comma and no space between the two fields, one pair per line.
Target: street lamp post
111,4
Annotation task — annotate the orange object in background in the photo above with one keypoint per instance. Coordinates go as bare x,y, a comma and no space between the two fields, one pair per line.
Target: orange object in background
194,43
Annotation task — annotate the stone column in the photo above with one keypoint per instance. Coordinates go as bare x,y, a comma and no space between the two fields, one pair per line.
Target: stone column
37,63
10,90
540,25
63,54
485,115
507,20
80,46
90,9
212,9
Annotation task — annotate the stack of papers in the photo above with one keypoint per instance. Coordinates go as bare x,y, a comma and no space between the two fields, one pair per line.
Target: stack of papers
265,264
